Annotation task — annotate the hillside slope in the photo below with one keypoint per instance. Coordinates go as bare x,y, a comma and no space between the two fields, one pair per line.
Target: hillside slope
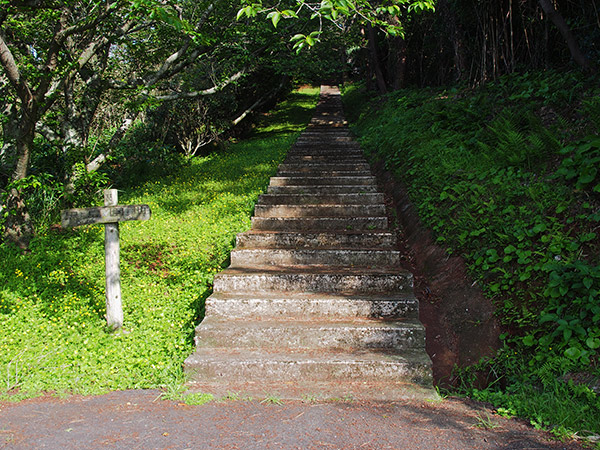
506,177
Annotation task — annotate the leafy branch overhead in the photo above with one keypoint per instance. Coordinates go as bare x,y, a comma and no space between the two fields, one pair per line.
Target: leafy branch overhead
386,15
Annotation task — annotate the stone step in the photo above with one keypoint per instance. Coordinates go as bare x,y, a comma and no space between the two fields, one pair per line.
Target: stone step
330,123
326,151
319,210
315,301
295,240
321,199
320,223
317,181
312,390
324,189
325,143
303,335
310,167
306,257
344,159
290,305
324,173
334,280
325,134
232,365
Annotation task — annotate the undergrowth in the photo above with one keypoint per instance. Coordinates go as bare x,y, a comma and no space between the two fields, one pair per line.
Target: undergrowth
507,177
53,336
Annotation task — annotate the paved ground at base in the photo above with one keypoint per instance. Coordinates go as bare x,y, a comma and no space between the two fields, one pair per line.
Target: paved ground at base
141,420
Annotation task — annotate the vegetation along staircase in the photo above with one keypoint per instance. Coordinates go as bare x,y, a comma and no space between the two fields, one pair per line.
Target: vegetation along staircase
315,303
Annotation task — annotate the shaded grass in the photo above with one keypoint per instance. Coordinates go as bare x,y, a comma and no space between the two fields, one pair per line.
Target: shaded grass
53,335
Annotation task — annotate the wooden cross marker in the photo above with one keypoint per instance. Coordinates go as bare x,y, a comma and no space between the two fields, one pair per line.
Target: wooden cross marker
110,215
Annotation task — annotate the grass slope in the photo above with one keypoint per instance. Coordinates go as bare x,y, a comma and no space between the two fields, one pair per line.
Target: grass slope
508,176
53,335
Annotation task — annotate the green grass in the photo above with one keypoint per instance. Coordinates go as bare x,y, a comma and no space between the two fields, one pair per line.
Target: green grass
508,177
53,336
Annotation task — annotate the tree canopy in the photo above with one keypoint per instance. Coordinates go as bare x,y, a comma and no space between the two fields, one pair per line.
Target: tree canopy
81,80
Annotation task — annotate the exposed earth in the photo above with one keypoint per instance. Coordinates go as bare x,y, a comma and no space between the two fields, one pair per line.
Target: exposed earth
459,320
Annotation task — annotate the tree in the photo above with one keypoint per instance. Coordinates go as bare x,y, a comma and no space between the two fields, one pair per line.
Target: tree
63,58
566,33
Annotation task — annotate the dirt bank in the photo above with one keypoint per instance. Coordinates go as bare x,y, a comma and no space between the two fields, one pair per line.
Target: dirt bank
459,319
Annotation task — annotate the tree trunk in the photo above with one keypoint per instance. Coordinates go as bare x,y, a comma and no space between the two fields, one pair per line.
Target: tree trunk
457,39
375,61
18,227
399,58
564,29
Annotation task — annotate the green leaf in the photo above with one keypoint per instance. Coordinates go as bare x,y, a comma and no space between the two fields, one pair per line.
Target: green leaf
573,352
588,174
275,17
539,228
529,340
525,276
593,343
547,318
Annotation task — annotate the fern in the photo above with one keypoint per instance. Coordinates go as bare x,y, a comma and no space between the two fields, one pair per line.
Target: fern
553,369
591,109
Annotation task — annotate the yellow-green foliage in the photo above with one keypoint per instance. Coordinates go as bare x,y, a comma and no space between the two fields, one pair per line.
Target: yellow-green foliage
53,335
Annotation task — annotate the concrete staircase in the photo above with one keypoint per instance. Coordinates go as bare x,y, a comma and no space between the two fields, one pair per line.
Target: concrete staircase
315,302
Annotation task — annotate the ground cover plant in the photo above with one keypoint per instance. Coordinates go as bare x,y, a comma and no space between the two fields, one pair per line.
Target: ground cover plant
507,176
53,335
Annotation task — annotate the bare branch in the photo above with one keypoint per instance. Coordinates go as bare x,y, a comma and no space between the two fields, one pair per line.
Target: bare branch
12,72
209,91
256,104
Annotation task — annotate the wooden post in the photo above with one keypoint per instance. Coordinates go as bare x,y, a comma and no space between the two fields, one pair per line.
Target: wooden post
114,306
110,215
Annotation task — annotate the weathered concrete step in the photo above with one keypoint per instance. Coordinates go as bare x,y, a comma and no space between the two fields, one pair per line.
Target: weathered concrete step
320,223
295,240
324,173
326,151
336,257
321,199
325,134
319,210
291,305
310,167
298,335
329,121
324,143
335,280
316,181
317,390
336,133
324,189
332,159
235,365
